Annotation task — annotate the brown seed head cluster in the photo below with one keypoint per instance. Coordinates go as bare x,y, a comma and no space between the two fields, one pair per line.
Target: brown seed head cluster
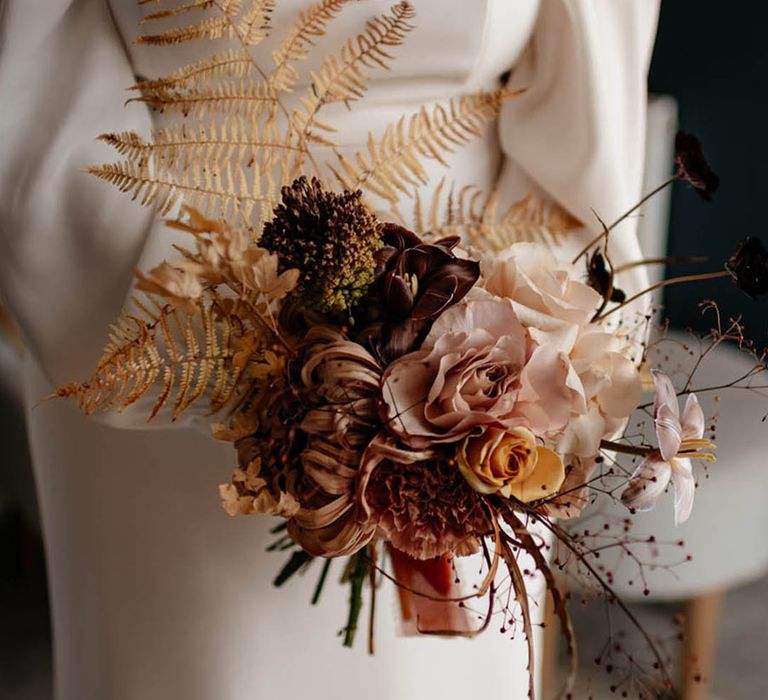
330,238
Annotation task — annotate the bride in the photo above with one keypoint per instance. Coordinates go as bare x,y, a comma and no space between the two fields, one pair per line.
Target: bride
156,594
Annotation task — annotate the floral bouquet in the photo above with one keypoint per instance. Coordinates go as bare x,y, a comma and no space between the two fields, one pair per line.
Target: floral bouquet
393,395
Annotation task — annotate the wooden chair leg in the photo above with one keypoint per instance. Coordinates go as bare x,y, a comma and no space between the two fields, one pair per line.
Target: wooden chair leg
700,644
550,651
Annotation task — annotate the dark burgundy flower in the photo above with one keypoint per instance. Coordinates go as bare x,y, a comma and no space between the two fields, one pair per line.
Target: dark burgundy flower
417,282
600,278
749,267
692,166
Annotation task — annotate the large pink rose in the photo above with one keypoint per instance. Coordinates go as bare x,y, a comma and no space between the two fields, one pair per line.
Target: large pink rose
478,366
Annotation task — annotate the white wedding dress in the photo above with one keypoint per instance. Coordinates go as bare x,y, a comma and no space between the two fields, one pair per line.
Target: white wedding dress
157,594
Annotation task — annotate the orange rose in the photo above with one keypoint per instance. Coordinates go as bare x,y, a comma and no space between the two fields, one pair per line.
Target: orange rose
510,463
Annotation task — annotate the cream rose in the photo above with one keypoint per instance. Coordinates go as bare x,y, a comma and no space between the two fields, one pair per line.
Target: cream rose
556,307
510,463
610,384
539,285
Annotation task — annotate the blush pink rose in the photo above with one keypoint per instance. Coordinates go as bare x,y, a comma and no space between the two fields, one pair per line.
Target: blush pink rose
478,366
539,285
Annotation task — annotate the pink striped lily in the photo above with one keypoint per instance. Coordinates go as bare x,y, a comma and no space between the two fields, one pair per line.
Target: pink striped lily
679,442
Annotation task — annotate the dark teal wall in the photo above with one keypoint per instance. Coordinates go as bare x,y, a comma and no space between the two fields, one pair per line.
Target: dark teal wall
712,55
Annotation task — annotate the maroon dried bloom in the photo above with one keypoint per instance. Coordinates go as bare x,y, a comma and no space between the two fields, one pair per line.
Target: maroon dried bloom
600,278
749,267
693,167
417,282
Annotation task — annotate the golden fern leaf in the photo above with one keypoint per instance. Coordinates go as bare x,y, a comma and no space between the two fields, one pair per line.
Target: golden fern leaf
230,191
425,223
182,89
244,97
475,218
174,11
215,144
186,356
301,37
250,27
226,165
233,63
343,77
254,25
216,27
392,166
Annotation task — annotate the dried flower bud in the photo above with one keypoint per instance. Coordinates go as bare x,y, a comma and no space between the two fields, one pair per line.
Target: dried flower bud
330,238
601,279
693,167
749,267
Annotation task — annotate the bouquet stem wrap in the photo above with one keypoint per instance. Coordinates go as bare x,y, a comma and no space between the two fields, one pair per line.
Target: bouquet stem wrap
422,581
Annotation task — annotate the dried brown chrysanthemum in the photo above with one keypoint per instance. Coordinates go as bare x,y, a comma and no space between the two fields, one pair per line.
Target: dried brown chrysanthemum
342,381
330,238
426,509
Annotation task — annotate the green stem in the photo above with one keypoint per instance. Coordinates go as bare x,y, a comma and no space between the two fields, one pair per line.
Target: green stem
356,580
296,562
321,582
372,566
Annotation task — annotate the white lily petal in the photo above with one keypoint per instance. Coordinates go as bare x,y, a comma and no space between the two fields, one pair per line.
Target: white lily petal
693,418
647,483
665,393
685,486
668,432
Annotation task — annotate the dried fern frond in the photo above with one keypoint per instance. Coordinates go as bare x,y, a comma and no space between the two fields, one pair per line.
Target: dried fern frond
393,167
343,78
424,224
187,356
253,26
216,27
232,63
182,89
301,37
250,26
186,90
245,97
215,144
477,220
178,10
231,192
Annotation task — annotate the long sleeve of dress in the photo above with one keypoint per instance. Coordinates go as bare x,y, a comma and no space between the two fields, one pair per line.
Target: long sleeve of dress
68,242
578,131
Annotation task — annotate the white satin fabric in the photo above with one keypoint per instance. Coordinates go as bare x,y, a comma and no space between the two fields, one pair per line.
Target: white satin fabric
156,594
